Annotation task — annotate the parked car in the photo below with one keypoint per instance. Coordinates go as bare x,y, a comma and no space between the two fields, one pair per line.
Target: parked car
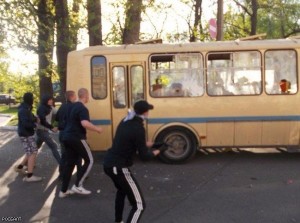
7,99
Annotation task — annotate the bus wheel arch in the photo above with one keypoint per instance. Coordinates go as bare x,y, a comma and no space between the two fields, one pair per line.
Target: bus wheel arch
182,141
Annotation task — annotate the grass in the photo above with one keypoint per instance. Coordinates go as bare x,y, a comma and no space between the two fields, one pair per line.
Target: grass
10,110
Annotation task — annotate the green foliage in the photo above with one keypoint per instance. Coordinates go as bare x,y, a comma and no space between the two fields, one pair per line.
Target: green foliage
279,19
20,84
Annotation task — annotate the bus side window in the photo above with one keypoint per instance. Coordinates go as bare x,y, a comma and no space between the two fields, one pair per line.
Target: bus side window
177,75
234,73
119,94
281,72
98,77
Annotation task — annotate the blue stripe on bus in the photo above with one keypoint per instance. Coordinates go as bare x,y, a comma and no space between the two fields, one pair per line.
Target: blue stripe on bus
224,119
101,122
209,119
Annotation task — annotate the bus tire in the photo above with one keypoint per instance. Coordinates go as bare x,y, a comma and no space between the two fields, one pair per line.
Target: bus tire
182,145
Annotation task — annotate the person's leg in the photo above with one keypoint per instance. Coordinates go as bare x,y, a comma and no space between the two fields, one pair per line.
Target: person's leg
52,145
117,179
31,153
85,153
63,157
39,138
134,195
71,158
31,163
20,167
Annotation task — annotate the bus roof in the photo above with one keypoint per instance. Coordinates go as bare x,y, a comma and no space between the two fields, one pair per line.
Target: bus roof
192,47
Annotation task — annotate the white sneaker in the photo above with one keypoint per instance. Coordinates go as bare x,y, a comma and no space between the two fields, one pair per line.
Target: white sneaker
65,194
32,179
80,190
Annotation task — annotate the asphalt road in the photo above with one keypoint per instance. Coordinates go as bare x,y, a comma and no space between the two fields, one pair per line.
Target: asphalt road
214,187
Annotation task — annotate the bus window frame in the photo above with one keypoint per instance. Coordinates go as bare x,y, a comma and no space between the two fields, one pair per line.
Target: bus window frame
231,58
125,73
177,86
296,73
106,77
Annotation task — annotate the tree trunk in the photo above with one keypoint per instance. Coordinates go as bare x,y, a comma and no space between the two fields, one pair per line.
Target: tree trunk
63,41
45,46
197,22
133,21
254,17
220,22
94,22
74,24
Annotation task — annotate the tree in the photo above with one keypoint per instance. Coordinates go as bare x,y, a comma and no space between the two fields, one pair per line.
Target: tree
63,40
94,22
279,19
45,24
197,27
30,26
133,11
251,9
220,21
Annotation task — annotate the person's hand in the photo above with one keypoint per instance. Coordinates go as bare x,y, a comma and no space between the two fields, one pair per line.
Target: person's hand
149,144
55,129
157,145
161,146
99,130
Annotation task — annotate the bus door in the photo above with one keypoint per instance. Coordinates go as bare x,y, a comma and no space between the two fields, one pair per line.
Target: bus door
128,81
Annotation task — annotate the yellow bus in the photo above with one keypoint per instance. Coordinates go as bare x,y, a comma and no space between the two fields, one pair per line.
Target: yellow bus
225,94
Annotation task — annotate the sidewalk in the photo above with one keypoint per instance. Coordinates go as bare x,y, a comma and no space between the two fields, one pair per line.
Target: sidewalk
5,118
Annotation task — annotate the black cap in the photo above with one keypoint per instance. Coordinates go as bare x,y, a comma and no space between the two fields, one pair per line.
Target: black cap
142,106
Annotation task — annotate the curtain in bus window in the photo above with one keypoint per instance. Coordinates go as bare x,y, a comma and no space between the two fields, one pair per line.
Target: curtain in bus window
119,87
177,75
234,73
137,83
281,72
99,78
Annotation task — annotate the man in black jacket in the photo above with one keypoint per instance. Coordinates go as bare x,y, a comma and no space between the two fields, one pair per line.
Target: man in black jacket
61,117
26,125
130,138
45,113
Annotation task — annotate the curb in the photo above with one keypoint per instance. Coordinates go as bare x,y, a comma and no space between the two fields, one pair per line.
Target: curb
8,128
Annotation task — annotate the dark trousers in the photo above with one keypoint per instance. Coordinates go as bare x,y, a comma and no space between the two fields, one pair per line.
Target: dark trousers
44,136
76,149
63,160
126,185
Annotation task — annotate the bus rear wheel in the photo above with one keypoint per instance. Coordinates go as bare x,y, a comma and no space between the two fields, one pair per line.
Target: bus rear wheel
181,145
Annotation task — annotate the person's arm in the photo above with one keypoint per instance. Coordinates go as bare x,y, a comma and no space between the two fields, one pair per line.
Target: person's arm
90,126
143,149
42,113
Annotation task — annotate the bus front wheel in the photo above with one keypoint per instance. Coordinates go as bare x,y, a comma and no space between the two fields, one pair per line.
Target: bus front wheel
181,144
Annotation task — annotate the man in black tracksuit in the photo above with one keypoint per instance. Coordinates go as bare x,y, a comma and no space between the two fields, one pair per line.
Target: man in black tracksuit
61,117
130,138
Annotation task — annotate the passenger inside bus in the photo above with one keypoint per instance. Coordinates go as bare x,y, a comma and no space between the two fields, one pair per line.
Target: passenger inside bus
285,86
176,90
157,88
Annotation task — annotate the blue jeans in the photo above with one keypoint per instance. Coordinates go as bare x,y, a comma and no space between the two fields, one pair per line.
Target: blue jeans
43,136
